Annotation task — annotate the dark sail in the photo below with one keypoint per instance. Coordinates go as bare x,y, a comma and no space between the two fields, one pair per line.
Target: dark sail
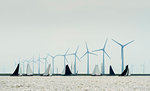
67,70
125,72
111,72
16,72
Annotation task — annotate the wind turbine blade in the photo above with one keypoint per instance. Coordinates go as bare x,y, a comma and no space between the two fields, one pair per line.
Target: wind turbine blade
78,58
41,61
67,51
129,43
46,61
117,42
59,55
97,50
93,53
66,60
23,61
46,56
36,61
83,55
77,49
27,61
49,55
86,46
105,43
107,54
70,54
41,58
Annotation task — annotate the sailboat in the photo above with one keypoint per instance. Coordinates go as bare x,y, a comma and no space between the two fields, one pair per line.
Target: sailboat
67,71
16,72
96,71
29,71
125,72
111,72
47,71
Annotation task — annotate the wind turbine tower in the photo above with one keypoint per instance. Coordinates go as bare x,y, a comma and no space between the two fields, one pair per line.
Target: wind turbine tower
39,60
122,51
46,59
23,65
33,63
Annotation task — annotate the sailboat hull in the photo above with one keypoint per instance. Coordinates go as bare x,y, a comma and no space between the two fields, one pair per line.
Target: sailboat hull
16,72
111,72
125,72
67,71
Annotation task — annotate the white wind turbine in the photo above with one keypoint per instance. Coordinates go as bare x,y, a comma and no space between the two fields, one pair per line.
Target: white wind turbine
75,59
39,61
87,53
53,58
104,52
23,62
33,61
65,59
46,59
122,51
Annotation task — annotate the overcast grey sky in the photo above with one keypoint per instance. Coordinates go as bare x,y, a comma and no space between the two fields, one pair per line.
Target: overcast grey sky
30,27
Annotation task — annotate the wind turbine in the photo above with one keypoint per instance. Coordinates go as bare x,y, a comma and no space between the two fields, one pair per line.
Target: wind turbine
23,65
75,58
65,59
87,53
46,58
53,57
28,61
33,61
104,52
20,69
39,60
122,51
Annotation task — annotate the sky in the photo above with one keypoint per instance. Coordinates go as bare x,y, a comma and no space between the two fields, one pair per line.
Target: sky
32,27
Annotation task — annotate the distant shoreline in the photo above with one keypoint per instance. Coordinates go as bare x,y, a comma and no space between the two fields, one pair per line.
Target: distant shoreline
8,74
